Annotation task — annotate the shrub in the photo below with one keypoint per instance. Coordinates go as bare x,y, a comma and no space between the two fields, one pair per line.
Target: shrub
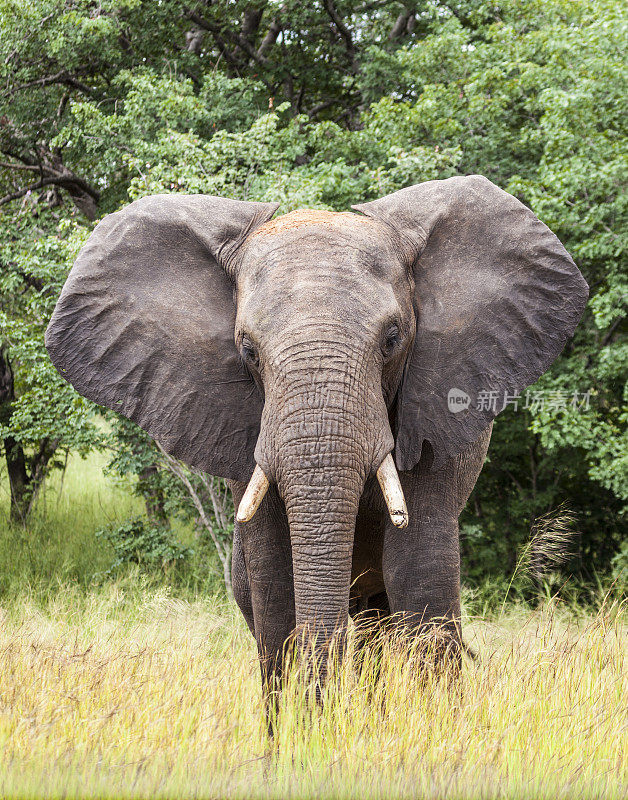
151,547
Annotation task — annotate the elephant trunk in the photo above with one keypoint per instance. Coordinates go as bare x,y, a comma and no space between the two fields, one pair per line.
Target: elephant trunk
322,506
324,431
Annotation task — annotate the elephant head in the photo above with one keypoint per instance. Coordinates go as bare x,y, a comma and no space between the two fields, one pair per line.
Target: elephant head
306,349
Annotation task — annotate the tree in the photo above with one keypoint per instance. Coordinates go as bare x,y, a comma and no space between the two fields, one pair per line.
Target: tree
41,417
328,105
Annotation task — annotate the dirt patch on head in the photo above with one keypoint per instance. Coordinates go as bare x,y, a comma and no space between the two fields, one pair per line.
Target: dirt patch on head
309,216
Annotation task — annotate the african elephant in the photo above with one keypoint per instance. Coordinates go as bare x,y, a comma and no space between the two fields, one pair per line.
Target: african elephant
313,358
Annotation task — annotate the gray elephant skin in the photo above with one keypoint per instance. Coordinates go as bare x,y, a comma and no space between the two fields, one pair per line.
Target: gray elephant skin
308,348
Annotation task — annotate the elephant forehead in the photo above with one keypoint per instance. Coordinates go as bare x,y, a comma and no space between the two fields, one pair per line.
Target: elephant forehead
311,238
305,217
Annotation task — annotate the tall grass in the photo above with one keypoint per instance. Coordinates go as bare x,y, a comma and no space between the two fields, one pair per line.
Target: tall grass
125,688
112,695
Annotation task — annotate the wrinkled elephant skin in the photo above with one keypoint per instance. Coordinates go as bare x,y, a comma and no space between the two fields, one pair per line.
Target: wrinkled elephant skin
305,349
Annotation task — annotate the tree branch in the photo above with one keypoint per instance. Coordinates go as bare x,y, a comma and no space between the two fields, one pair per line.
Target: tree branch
224,553
322,106
83,195
218,507
251,22
25,190
271,36
249,49
62,77
401,24
24,159
609,334
343,30
215,32
30,167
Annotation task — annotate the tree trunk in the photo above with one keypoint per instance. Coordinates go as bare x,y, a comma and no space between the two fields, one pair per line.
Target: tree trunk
13,451
19,481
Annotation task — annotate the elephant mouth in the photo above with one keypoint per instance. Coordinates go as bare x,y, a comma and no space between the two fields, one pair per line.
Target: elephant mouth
387,477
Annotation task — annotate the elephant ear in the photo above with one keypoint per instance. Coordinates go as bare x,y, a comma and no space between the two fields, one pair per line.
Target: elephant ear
497,297
145,326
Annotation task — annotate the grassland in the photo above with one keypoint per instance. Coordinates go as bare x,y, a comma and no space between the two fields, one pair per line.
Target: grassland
123,689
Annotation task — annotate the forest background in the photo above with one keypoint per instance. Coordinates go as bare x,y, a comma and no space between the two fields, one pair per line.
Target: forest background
320,104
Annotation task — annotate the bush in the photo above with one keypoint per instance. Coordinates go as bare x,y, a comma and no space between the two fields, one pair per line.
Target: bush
151,547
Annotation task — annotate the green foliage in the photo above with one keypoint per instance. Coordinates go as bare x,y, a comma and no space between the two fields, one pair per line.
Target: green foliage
324,106
151,547
41,417
133,454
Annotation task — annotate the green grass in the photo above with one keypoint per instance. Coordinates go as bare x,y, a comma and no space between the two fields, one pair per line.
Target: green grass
59,546
129,688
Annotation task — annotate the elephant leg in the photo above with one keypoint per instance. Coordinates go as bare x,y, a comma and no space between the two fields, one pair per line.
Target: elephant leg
421,564
265,585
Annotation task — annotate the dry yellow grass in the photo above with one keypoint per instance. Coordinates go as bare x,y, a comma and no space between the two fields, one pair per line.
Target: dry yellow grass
159,698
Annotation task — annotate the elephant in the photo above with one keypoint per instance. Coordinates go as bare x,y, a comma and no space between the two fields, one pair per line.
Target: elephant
341,370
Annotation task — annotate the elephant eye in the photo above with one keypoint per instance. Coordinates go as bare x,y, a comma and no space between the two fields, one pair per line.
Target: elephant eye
392,337
248,351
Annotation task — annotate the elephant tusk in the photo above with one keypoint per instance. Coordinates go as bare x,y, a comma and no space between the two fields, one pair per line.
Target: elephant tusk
392,491
255,491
